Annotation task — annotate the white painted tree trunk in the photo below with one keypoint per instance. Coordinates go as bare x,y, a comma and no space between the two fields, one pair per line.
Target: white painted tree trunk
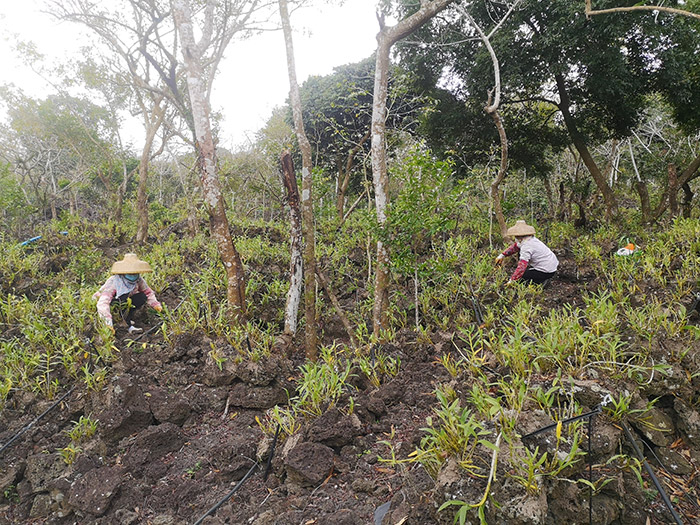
386,38
306,187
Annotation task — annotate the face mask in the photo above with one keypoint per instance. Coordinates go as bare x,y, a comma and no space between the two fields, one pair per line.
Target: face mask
131,277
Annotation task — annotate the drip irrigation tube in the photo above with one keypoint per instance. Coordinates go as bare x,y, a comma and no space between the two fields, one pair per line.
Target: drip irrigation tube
656,481
30,425
597,410
228,496
590,415
272,452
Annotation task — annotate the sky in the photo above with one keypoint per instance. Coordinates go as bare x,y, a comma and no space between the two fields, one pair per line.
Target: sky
252,78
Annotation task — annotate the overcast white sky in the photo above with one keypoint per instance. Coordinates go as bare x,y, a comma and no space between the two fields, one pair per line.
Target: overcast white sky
252,79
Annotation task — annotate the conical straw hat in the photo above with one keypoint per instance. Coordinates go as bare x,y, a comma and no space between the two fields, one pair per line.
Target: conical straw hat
131,264
521,229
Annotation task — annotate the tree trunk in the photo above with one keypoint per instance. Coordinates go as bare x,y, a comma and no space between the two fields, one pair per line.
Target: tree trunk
586,157
673,190
142,197
306,187
495,185
687,200
688,174
345,182
206,151
386,38
641,189
291,310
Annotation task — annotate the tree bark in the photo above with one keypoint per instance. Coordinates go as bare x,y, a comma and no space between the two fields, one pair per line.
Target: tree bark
291,310
323,280
641,189
386,38
235,290
152,126
500,177
345,182
687,200
688,174
307,210
582,148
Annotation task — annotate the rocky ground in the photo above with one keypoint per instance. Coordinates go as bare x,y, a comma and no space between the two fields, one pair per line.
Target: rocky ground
177,433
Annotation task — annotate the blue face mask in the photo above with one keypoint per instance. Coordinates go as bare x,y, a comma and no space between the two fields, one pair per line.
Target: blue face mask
131,277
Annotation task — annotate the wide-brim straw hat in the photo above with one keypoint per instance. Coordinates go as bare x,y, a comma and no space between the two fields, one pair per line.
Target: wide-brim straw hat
520,229
131,264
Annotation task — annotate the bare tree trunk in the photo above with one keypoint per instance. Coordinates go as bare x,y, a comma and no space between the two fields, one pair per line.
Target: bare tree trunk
323,280
235,290
291,310
641,189
688,174
673,190
502,170
306,187
142,197
687,200
386,38
343,186
586,157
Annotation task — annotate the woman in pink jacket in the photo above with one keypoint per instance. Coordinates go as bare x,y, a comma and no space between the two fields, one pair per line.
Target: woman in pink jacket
128,290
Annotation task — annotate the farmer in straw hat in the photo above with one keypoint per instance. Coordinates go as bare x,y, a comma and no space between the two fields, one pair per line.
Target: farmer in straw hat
128,289
537,262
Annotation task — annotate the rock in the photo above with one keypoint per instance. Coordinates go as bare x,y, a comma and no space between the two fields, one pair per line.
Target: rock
309,463
688,421
589,393
93,493
42,469
606,438
169,408
365,486
217,374
258,397
9,475
127,409
376,406
656,426
334,429
674,462
257,373
341,517
151,445
41,507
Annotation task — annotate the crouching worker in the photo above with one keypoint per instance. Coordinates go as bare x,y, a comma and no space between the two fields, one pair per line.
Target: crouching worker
537,262
128,290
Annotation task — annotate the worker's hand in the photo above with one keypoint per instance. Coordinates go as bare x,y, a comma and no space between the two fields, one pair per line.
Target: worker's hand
509,282
109,324
158,308
499,260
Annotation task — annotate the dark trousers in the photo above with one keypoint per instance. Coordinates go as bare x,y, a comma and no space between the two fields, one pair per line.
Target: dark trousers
137,301
536,276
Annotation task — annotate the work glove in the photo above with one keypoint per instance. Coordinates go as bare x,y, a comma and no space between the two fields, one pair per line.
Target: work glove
509,282
109,324
158,308
499,260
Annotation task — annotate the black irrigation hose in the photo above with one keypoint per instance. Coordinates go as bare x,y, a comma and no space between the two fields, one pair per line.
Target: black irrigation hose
30,425
228,496
272,453
590,416
597,410
657,483
478,314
